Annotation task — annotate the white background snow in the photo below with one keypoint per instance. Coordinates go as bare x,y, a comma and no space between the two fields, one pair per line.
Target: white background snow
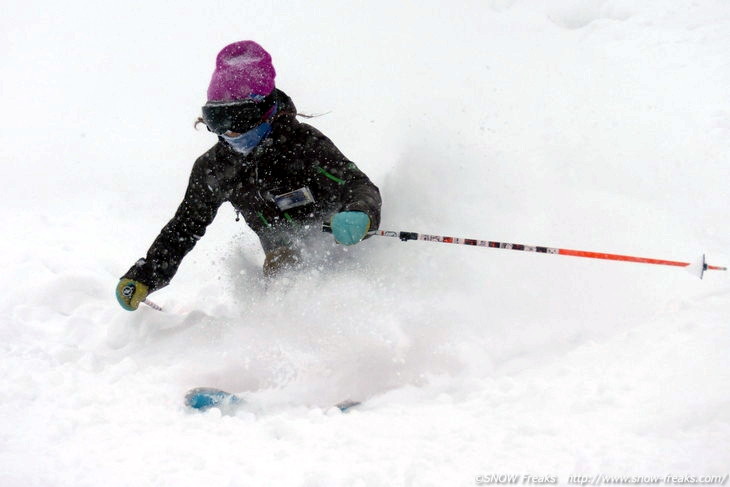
596,125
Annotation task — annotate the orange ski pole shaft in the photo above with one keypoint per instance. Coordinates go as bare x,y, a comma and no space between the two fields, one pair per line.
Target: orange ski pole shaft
631,258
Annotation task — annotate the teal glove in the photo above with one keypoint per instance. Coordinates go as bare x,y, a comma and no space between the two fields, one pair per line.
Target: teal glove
349,227
130,293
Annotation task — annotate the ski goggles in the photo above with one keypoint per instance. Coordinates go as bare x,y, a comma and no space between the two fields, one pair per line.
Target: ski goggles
237,116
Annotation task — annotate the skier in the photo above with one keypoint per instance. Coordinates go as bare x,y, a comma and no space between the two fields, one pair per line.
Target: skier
284,177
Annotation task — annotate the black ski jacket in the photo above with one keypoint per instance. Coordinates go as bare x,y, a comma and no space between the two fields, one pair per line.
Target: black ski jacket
295,156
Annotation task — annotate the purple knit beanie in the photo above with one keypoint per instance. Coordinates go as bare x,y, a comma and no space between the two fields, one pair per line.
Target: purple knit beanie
242,69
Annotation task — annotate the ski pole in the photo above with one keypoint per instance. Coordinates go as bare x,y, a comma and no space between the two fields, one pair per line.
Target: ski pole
405,236
152,305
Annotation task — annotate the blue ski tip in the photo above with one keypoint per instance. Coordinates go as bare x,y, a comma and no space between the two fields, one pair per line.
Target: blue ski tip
204,398
345,406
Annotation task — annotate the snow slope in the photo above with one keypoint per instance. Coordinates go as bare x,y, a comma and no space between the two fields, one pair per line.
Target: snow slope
597,125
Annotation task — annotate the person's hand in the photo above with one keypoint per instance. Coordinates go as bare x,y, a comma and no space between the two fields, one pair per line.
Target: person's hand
130,293
349,227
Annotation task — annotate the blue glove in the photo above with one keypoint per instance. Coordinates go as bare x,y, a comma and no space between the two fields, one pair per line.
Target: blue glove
130,293
349,227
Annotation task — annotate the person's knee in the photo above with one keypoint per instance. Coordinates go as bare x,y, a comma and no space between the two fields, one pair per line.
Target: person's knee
280,260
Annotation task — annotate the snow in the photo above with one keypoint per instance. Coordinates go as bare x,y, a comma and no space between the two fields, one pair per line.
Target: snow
594,125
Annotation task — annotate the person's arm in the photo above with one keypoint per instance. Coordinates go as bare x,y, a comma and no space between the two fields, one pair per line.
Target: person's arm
179,236
360,194
355,190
